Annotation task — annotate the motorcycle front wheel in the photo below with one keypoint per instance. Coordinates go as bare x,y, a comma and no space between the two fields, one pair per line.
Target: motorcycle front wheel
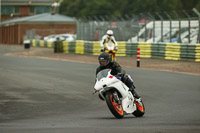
113,105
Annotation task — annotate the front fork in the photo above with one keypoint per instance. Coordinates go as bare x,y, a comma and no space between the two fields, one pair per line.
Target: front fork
112,53
116,97
113,56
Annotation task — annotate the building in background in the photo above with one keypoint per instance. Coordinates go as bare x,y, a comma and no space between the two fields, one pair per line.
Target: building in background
20,8
38,26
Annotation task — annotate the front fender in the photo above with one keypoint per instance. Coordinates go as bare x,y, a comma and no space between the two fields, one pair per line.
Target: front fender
112,90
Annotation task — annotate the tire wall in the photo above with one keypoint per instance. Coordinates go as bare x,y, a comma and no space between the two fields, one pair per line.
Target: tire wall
168,51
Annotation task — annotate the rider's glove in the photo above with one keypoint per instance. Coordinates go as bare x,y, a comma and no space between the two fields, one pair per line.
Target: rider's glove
119,75
102,50
116,48
130,79
120,78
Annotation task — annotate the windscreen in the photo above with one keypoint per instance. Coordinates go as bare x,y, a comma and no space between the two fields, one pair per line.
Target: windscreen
103,73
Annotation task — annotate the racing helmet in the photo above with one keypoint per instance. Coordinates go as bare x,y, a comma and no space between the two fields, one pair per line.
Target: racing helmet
109,32
104,59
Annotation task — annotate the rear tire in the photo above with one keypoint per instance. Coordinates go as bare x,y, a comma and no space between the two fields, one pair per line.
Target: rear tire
114,107
140,110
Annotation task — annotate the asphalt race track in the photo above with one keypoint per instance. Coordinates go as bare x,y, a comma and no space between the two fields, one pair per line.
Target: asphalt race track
52,96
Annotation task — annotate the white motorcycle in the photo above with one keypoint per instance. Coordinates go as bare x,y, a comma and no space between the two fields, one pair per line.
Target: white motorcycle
119,99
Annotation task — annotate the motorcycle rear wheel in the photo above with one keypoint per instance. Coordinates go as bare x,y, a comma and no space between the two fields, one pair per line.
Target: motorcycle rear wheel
113,105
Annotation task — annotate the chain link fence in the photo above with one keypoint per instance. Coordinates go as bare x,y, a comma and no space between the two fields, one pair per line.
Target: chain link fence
93,30
160,27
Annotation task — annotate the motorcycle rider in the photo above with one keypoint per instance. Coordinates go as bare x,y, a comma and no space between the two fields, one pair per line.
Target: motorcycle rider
108,38
106,63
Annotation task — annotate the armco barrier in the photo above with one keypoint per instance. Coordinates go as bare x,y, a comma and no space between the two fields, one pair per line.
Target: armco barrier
169,51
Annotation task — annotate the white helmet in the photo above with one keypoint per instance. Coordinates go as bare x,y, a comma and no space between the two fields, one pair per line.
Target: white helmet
109,32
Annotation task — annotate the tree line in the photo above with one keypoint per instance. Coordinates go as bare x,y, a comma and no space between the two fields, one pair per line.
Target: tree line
121,8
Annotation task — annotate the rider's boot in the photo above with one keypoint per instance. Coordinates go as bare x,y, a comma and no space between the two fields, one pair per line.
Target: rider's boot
135,94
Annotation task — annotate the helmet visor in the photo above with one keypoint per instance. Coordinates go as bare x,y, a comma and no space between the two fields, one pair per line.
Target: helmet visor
109,36
103,62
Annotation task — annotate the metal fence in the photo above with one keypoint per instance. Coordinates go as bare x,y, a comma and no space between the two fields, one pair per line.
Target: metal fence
150,27
93,30
159,27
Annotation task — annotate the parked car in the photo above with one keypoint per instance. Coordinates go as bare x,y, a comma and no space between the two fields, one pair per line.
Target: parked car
68,37
62,37
48,37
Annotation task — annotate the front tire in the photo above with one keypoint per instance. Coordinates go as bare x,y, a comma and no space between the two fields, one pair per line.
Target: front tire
113,105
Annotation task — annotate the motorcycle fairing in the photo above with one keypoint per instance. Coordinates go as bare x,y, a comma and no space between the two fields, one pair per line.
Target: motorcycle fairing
105,83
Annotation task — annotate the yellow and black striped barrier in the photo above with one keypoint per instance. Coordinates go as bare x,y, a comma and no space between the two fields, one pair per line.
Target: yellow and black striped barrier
197,53
145,49
42,43
173,51
169,51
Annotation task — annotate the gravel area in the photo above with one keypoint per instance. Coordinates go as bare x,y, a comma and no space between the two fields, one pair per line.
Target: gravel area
189,67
